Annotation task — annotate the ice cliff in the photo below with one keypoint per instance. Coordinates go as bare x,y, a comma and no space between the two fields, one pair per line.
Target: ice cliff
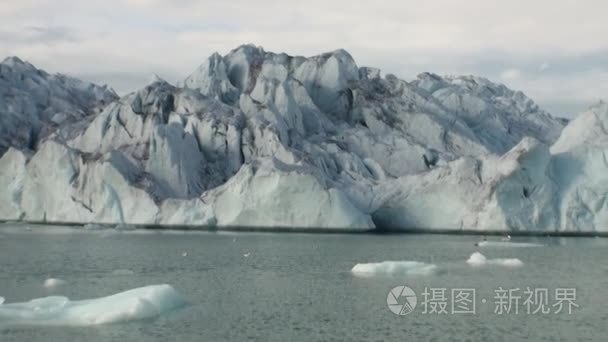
261,139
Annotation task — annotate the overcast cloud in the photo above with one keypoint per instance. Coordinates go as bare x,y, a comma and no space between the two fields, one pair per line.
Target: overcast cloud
555,51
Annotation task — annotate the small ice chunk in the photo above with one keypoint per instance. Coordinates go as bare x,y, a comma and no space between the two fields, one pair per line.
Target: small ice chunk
185,254
477,259
246,255
139,303
511,262
53,283
394,267
1,300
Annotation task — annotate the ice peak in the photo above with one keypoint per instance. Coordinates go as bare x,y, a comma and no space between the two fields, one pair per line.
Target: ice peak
600,110
429,75
599,107
12,60
215,56
248,49
341,53
588,128
17,63
155,78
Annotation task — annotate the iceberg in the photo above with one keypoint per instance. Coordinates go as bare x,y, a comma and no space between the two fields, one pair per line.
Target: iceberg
412,268
135,304
268,140
477,259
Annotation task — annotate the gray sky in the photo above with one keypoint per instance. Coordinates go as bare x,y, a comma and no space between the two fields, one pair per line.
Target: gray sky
556,51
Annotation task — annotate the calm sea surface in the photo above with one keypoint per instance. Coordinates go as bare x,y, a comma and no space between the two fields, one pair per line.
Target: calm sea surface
298,287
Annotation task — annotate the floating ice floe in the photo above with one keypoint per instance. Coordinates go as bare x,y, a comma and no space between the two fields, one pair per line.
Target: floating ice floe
135,304
54,282
1,300
394,267
478,259
508,244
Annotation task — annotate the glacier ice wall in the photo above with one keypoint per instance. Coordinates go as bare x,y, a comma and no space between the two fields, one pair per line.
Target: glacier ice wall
255,138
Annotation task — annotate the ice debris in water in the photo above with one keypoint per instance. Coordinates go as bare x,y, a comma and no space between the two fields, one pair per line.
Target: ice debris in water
508,244
394,267
478,259
140,303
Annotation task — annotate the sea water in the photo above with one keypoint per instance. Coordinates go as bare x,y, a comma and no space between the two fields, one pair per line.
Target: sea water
300,287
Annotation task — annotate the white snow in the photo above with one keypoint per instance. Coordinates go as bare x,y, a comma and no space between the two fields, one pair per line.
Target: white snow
135,304
477,259
52,283
394,268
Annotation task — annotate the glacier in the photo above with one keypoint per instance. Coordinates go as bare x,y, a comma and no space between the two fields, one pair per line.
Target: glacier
261,139
35,104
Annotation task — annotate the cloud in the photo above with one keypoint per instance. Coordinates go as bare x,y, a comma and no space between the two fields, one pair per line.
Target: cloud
104,39
39,35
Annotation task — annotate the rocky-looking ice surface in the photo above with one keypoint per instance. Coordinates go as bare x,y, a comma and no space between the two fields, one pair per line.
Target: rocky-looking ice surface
260,139
33,103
